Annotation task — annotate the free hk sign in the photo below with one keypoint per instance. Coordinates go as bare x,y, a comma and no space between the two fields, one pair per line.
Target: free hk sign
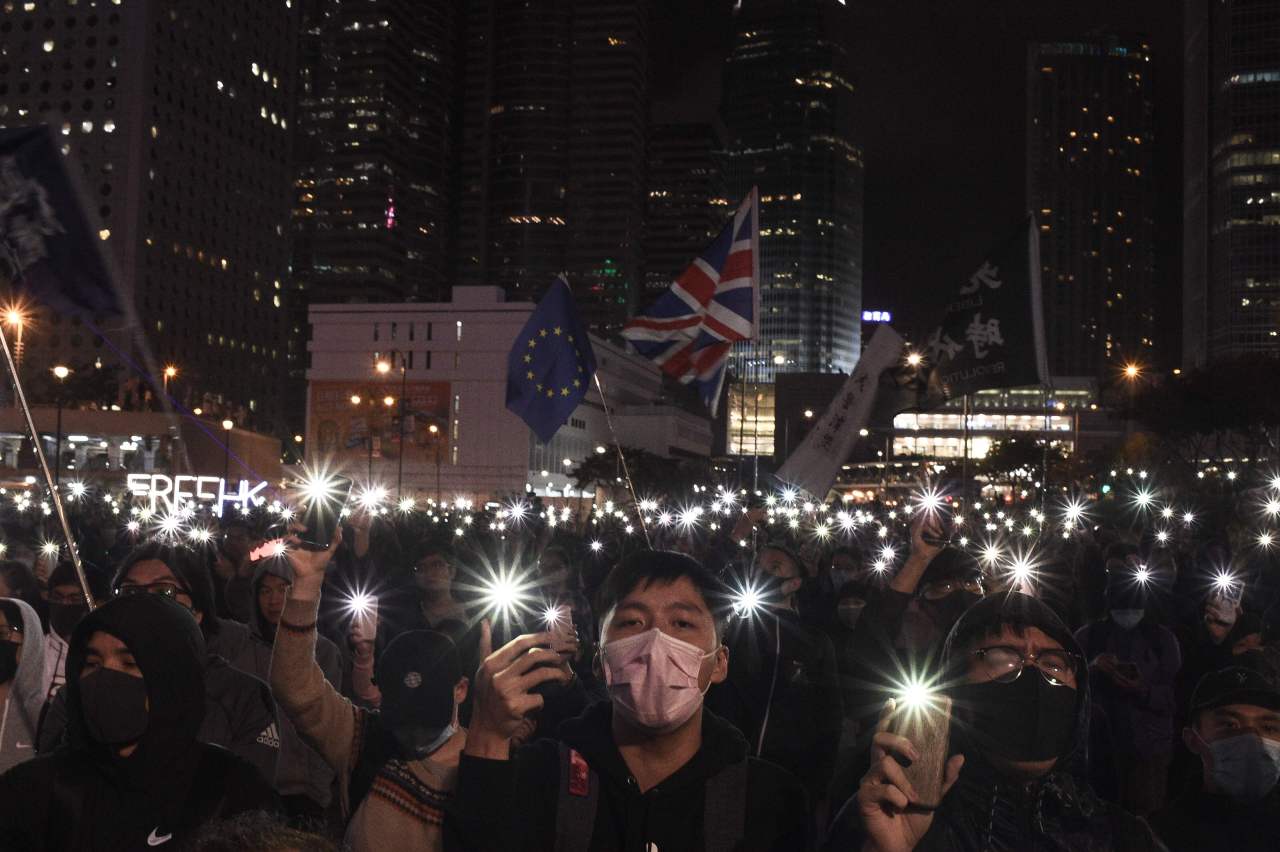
170,492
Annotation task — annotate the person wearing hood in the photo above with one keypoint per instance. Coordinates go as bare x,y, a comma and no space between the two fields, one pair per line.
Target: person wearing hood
651,768
21,681
395,766
303,779
1019,732
133,774
1234,729
1133,663
783,691
66,607
240,713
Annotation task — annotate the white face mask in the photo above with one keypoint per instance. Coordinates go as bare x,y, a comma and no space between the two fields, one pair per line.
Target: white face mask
1127,619
1245,767
410,739
653,679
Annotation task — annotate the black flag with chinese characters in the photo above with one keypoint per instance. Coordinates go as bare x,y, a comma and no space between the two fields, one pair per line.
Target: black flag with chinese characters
49,248
992,335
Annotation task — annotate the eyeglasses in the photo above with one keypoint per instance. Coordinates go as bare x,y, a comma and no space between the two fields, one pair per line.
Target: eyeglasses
163,587
938,591
68,600
11,633
1005,665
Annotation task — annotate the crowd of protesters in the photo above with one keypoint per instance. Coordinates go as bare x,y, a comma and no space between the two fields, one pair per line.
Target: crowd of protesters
729,689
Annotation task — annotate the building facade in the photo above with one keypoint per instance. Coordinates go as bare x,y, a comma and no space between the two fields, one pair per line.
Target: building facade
1090,183
178,115
458,437
552,157
686,206
788,109
1231,198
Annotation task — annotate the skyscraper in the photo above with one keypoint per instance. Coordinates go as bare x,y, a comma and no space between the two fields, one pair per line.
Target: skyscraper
788,104
374,149
179,116
686,207
553,150
1231,205
1090,183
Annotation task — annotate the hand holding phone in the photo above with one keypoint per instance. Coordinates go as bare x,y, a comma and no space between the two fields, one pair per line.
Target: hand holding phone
927,727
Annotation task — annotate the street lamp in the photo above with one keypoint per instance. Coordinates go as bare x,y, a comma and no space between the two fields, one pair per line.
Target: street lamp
227,426
435,434
170,372
383,366
16,319
60,373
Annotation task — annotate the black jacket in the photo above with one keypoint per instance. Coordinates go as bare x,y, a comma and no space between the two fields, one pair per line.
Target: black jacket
985,810
85,797
511,805
1203,822
783,681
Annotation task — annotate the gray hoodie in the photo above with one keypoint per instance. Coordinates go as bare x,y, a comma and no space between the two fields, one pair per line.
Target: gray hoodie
21,712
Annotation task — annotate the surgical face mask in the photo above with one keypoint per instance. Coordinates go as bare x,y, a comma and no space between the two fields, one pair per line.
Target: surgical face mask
653,679
850,610
1127,619
419,743
1245,767
114,705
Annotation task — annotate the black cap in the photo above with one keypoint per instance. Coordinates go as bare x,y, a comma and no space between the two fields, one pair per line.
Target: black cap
416,675
1235,685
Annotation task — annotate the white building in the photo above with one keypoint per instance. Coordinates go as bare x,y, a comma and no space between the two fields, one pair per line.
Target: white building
459,438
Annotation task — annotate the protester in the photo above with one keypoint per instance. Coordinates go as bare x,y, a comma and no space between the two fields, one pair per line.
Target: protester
66,607
134,774
782,691
1235,731
21,681
1015,777
1133,663
232,569
257,831
239,714
649,769
18,581
395,767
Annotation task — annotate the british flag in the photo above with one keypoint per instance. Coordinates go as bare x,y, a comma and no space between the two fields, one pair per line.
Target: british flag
690,330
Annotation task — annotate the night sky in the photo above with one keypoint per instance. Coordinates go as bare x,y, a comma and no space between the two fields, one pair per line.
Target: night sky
942,114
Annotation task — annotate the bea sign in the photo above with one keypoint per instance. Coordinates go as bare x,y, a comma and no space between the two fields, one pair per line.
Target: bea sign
172,491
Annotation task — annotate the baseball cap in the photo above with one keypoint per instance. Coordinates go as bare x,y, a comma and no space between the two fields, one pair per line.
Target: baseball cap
1235,685
416,675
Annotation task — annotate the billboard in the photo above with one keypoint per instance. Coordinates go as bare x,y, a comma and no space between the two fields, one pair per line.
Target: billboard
350,422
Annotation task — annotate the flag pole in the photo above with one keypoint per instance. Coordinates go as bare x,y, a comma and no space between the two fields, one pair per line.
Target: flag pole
622,459
964,469
21,398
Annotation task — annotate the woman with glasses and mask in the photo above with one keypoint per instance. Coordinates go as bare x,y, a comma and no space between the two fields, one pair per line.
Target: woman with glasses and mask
21,679
1016,774
240,713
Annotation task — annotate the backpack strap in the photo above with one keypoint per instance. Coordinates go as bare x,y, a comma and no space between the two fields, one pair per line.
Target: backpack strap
725,811
576,800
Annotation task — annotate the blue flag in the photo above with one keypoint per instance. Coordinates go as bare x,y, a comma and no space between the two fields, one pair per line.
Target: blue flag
551,363
49,249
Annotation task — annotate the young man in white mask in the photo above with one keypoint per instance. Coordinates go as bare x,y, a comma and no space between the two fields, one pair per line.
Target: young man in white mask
1235,731
648,769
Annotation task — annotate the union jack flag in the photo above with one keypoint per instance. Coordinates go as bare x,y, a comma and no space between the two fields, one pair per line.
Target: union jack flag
690,330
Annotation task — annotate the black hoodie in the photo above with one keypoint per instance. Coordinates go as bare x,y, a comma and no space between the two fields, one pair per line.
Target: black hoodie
986,810
86,797
511,804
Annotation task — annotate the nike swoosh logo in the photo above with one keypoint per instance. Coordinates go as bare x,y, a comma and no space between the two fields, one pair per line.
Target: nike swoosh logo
154,839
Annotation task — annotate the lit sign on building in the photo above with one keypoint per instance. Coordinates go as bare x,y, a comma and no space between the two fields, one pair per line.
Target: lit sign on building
171,491
876,316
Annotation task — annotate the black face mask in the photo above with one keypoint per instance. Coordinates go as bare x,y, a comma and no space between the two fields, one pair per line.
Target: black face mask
63,618
8,661
1029,719
945,612
115,706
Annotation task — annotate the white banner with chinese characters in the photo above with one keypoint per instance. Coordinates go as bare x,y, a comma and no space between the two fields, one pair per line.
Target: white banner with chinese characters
816,462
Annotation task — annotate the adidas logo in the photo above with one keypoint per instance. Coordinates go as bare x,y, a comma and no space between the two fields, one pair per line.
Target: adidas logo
271,736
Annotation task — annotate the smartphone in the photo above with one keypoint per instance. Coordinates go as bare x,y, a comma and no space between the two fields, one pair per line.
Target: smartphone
941,520
364,621
929,729
322,514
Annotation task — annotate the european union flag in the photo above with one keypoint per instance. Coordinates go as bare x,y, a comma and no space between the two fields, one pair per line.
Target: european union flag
49,247
551,363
